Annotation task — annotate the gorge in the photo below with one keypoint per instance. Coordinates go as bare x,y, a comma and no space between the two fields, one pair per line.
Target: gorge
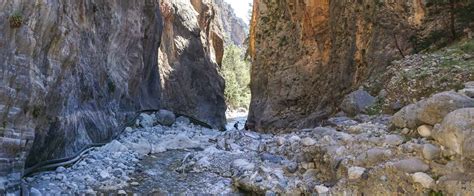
131,95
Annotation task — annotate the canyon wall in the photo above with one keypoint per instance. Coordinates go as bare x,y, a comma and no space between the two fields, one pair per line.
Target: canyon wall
74,72
234,28
307,54
190,55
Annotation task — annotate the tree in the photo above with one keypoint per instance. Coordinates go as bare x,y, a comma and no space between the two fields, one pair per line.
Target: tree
236,72
457,9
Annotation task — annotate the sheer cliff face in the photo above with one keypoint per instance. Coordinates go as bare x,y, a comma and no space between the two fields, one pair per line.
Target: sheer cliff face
191,51
234,27
308,54
74,72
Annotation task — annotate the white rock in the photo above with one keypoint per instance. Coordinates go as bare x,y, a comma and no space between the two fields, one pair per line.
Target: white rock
143,147
308,141
122,192
425,131
424,179
60,169
180,142
243,164
322,190
128,129
104,174
355,173
146,120
115,146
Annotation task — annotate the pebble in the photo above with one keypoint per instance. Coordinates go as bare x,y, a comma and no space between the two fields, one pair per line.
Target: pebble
355,173
424,179
129,129
425,131
321,189
122,192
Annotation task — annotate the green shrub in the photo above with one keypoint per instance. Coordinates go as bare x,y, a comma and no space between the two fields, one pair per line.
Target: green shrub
16,20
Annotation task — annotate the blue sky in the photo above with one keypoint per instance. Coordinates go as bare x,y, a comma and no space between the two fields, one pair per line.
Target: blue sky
241,8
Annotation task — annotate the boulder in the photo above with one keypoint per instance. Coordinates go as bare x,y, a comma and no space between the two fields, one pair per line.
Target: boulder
180,142
393,140
411,165
435,108
357,102
142,147
146,120
456,129
431,152
468,92
115,146
432,110
165,117
183,120
469,84
406,117
376,155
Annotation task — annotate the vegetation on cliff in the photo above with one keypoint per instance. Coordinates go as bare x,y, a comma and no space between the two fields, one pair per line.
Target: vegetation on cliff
236,72
420,75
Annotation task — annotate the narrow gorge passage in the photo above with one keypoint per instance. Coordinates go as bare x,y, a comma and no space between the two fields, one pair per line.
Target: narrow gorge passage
227,97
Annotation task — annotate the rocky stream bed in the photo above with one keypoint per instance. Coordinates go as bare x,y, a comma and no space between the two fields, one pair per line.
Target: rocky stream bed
346,156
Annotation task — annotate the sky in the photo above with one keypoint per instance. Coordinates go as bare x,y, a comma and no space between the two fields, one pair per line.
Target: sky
241,8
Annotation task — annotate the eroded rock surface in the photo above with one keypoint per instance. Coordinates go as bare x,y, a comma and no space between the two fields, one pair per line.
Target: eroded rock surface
308,54
74,72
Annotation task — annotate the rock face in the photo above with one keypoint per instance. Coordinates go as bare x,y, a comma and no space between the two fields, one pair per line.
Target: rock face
73,73
308,54
233,27
190,54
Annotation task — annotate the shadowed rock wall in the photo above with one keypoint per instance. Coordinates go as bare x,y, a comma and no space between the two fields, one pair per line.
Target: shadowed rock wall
73,72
